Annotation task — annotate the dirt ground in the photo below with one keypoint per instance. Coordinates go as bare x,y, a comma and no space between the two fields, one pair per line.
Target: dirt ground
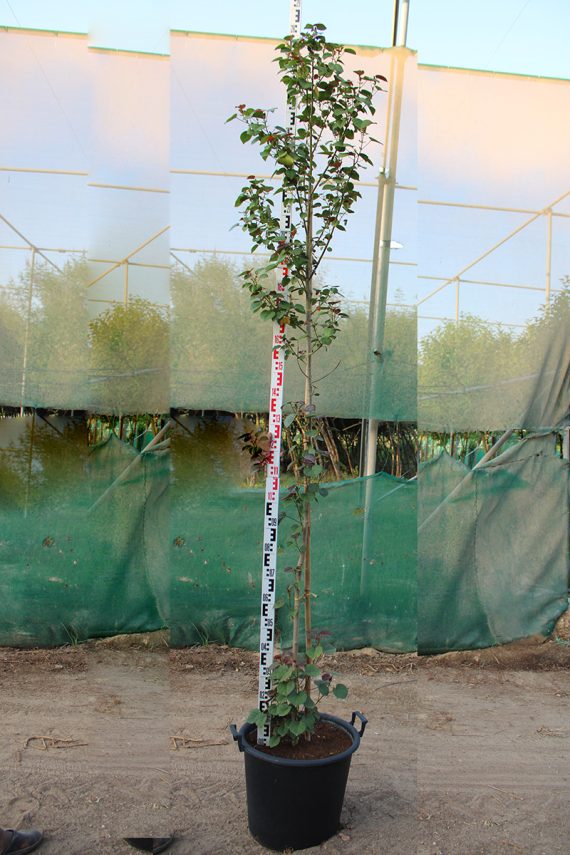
465,754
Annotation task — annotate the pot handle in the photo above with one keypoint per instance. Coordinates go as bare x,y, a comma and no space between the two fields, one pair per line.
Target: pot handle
362,718
236,736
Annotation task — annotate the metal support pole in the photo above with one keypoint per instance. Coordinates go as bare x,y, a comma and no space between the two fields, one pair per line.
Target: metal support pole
403,34
30,463
379,279
566,443
395,14
547,283
457,302
126,284
27,332
381,256
367,449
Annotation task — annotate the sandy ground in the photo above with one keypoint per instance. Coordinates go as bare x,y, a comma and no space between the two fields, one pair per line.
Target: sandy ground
465,754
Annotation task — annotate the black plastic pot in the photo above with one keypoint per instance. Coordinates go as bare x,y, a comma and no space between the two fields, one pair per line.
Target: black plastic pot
294,804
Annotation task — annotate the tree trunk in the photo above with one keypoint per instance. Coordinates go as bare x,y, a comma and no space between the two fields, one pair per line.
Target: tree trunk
331,448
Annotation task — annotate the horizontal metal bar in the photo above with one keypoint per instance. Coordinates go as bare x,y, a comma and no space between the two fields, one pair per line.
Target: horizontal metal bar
491,208
42,249
122,302
266,177
357,302
34,170
462,281
127,187
130,263
205,172
446,318
267,254
51,249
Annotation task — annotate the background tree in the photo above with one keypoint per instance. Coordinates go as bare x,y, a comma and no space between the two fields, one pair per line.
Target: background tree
12,331
217,345
130,358
59,336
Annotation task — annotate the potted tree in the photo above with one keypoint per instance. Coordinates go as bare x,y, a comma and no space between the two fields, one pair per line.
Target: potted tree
296,782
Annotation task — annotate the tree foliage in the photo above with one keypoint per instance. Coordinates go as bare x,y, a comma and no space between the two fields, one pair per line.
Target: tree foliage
318,167
479,376
59,355
130,355
318,163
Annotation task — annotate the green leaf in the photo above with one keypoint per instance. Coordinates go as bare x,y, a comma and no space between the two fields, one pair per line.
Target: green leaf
231,118
340,691
310,719
257,717
298,727
285,689
312,670
245,136
283,709
289,420
274,740
282,672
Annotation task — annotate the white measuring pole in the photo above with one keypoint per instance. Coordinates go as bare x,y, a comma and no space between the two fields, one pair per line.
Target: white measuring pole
273,468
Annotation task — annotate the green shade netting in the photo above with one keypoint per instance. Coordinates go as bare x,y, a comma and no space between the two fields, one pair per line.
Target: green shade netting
220,355
473,376
70,571
493,548
216,548
214,354
112,540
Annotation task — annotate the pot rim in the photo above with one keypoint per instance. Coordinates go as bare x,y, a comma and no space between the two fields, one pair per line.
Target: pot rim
244,745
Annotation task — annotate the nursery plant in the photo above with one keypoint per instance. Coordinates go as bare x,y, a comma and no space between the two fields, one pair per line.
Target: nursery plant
317,168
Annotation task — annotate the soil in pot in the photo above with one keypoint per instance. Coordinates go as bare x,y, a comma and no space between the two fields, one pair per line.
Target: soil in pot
326,741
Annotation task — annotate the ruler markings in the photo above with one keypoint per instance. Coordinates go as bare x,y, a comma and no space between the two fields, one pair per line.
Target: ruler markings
273,463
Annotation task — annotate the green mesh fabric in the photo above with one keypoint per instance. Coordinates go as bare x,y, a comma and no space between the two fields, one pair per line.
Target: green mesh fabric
120,541
219,355
473,376
503,572
216,549
71,571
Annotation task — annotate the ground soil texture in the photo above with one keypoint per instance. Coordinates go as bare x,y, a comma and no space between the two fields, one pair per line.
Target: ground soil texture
464,754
